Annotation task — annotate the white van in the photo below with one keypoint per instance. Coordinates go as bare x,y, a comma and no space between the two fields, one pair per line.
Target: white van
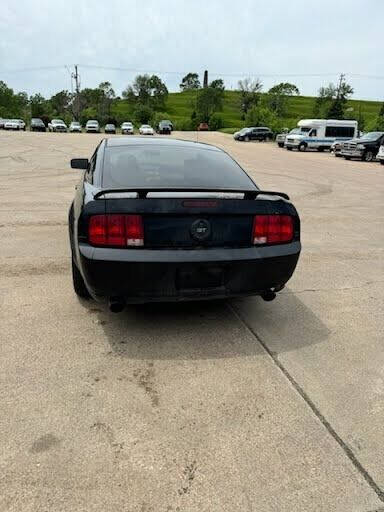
320,134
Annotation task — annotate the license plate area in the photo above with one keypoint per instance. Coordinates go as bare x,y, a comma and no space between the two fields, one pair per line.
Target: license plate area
200,277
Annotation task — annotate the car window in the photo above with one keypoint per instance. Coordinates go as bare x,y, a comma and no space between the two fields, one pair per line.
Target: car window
163,166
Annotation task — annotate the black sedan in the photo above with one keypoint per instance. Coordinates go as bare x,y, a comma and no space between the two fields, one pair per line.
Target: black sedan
37,125
169,220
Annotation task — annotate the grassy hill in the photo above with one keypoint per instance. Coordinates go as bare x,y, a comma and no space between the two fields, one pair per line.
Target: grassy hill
181,104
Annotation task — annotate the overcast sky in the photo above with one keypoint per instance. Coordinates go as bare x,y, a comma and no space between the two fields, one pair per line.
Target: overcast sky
227,37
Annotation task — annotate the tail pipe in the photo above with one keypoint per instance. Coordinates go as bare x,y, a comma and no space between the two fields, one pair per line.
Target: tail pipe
116,304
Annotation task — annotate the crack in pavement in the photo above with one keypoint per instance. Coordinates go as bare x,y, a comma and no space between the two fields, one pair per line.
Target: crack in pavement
347,450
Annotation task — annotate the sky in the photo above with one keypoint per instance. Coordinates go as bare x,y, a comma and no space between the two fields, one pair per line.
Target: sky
275,41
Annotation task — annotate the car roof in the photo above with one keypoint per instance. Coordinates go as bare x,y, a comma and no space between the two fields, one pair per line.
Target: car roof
132,141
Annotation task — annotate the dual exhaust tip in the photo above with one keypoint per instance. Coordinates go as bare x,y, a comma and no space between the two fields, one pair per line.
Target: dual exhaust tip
117,304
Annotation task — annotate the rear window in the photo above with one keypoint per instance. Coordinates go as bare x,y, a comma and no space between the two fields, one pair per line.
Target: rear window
164,166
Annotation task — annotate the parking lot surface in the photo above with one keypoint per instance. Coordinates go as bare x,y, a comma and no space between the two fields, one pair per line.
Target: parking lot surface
226,406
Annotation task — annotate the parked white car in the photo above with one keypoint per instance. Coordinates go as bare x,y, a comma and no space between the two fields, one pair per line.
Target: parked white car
92,126
146,129
75,126
127,128
14,124
380,154
320,134
57,125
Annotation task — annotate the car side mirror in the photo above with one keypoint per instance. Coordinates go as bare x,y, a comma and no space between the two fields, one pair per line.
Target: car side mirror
79,163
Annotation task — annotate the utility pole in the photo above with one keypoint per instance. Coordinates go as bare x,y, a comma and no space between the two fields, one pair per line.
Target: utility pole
76,77
341,80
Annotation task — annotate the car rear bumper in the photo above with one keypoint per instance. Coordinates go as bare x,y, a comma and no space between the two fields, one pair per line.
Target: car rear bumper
143,275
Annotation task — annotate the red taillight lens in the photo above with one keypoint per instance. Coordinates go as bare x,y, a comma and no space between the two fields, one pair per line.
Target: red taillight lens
116,230
272,229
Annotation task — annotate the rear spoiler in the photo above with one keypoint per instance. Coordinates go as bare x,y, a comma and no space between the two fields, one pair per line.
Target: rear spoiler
143,191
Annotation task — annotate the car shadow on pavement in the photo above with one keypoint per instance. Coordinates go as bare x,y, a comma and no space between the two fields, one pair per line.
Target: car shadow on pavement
209,329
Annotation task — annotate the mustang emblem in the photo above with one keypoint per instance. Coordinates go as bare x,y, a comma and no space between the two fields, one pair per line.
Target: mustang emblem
200,230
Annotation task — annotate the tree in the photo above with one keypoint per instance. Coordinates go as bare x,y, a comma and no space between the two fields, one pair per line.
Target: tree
147,90
217,84
332,100
261,116
142,114
38,105
209,100
249,94
278,95
190,81
60,102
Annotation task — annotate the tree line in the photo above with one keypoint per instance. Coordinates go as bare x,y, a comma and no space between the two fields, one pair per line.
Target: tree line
145,100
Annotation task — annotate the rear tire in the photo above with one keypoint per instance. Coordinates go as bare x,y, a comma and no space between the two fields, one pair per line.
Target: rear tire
247,139
78,282
382,162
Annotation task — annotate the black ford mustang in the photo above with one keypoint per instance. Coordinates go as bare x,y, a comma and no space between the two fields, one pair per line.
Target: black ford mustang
168,220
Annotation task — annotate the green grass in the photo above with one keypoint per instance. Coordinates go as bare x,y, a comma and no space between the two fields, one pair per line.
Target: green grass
180,106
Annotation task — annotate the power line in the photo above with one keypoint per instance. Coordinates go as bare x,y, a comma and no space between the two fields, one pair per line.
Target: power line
214,73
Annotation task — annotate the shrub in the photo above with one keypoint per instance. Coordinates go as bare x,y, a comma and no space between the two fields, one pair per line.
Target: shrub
215,122
142,114
185,125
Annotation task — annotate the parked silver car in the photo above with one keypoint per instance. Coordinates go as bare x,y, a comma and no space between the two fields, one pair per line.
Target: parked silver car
75,126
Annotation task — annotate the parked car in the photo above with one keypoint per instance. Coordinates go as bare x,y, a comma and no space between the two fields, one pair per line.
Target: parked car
320,134
203,127
164,127
75,127
146,129
110,128
14,124
380,154
37,125
127,128
92,126
261,133
185,223
57,125
365,148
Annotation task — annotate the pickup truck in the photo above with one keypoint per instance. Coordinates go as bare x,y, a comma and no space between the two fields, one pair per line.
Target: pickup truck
57,125
366,148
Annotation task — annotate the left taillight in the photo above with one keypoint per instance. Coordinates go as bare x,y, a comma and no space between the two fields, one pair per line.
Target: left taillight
116,230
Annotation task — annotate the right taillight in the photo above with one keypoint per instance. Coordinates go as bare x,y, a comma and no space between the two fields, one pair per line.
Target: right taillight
272,229
116,230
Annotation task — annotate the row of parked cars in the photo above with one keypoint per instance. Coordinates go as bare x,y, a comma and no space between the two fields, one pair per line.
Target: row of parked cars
341,137
92,126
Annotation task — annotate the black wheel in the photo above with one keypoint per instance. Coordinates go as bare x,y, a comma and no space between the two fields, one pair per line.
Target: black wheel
289,148
246,138
320,150
280,144
347,157
368,156
302,146
382,162
78,282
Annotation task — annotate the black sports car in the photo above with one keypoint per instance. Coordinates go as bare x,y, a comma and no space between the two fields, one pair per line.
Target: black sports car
168,220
